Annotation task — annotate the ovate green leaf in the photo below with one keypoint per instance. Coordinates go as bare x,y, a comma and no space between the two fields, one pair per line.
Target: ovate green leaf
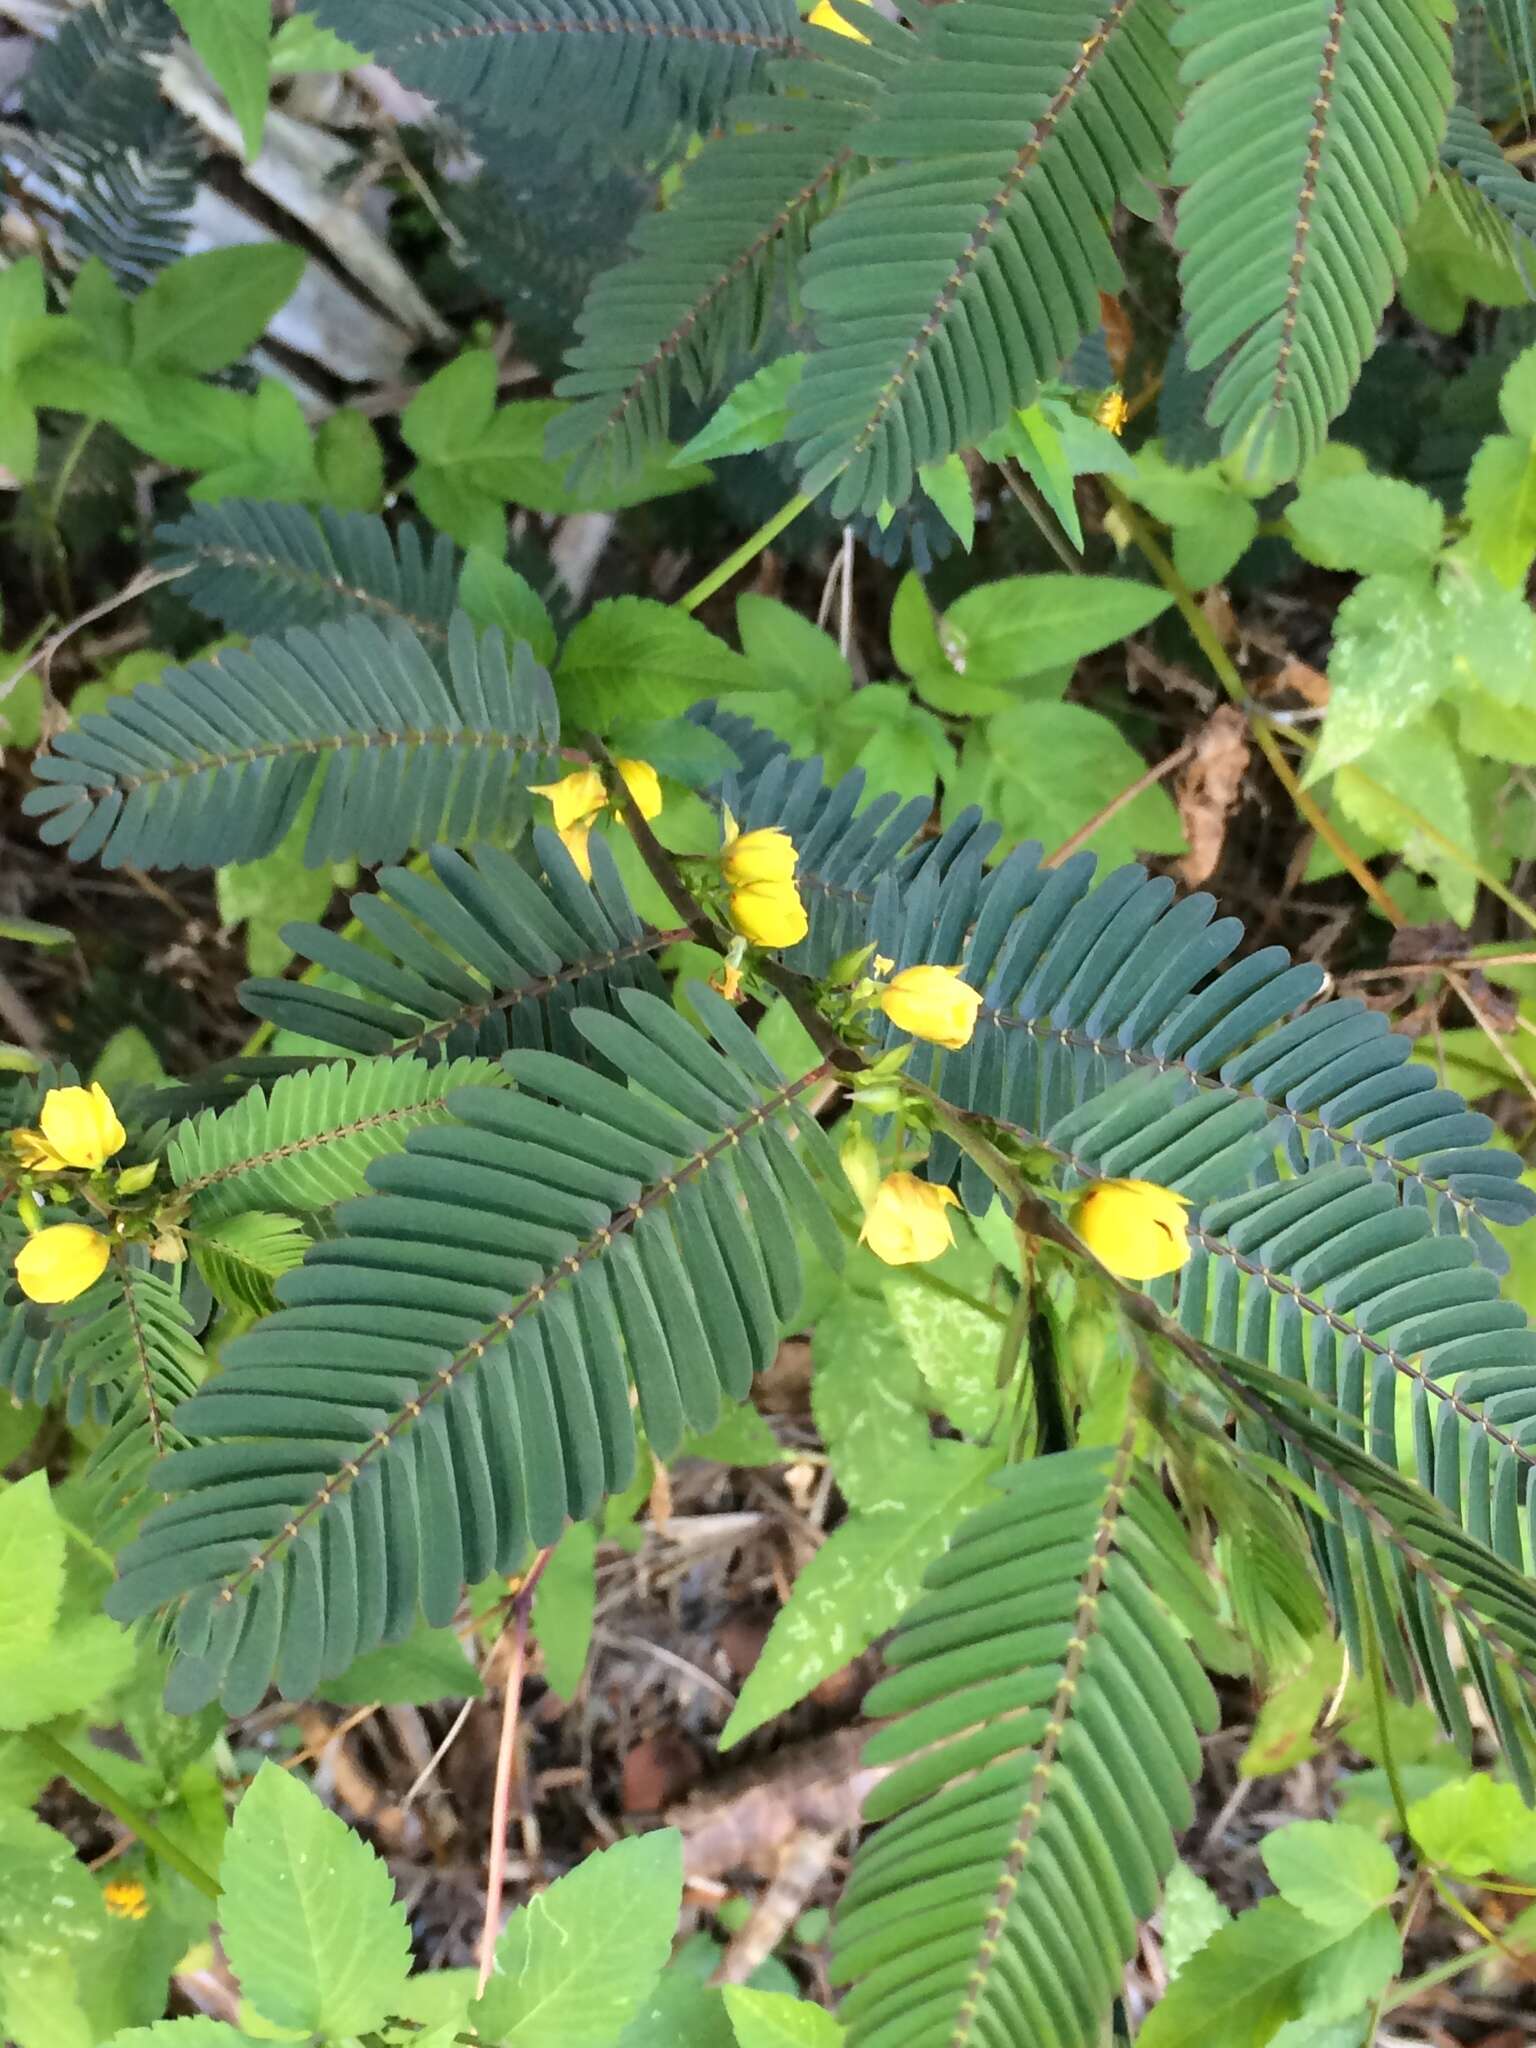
754,415
206,311
1368,523
308,1912
575,1965
861,1580
233,39
772,2019
1336,1875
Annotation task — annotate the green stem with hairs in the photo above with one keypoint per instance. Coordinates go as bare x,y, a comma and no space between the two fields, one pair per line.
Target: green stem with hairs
66,1764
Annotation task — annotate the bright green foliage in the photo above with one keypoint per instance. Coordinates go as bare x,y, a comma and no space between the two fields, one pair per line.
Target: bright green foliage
575,1964
768,2019
57,1660
308,1915
233,38
1291,225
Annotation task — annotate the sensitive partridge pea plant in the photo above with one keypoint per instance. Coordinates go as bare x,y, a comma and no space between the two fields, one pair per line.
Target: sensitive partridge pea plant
533,1173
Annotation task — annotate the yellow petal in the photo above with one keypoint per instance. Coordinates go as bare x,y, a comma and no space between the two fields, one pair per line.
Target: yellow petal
577,798
769,913
643,784
905,1224
1136,1228
934,1004
574,839
825,15
125,1899
61,1262
767,855
81,1125
34,1152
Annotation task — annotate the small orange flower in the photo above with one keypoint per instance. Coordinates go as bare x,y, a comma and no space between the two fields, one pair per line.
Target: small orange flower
125,1899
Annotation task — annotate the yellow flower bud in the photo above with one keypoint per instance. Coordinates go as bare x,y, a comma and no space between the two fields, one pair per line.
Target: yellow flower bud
79,1128
574,839
61,1262
825,15
1134,1227
125,1899
767,855
643,784
905,1224
577,798
769,913
932,1003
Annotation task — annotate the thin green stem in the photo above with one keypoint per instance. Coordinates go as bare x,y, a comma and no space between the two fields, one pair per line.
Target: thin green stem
1431,831
1408,1990
67,468
66,1764
751,547
1227,675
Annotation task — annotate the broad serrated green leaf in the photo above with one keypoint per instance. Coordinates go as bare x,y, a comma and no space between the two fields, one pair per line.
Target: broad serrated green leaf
1046,769
189,2033
633,658
301,44
493,594
31,1569
755,415
575,1964
955,1348
862,1578
868,1396
233,38
1336,1875
308,1913
1473,1826
1192,1913
1270,1965
1027,625
772,2019
206,311
1373,524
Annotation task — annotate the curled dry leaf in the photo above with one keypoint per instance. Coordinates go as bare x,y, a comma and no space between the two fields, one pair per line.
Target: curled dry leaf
1209,789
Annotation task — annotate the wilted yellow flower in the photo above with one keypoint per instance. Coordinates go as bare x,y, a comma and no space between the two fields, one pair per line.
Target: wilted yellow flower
825,15
643,784
577,798
1134,1227
61,1262
79,1127
767,855
932,1003
125,1899
1112,411
769,913
905,1224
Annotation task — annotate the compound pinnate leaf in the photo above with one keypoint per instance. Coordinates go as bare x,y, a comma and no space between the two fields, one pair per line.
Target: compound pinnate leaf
310,1923
575,1964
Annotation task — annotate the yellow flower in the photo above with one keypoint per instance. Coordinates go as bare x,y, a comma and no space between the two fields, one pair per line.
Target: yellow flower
1134,1227
1112,411
574,839
932,1003
767,855
905,1224
125,1899
643,784
769,913
577,798
61,1262
79,1128
825,15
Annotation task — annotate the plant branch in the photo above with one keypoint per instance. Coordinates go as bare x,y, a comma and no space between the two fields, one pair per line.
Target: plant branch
506,1754
66,1764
